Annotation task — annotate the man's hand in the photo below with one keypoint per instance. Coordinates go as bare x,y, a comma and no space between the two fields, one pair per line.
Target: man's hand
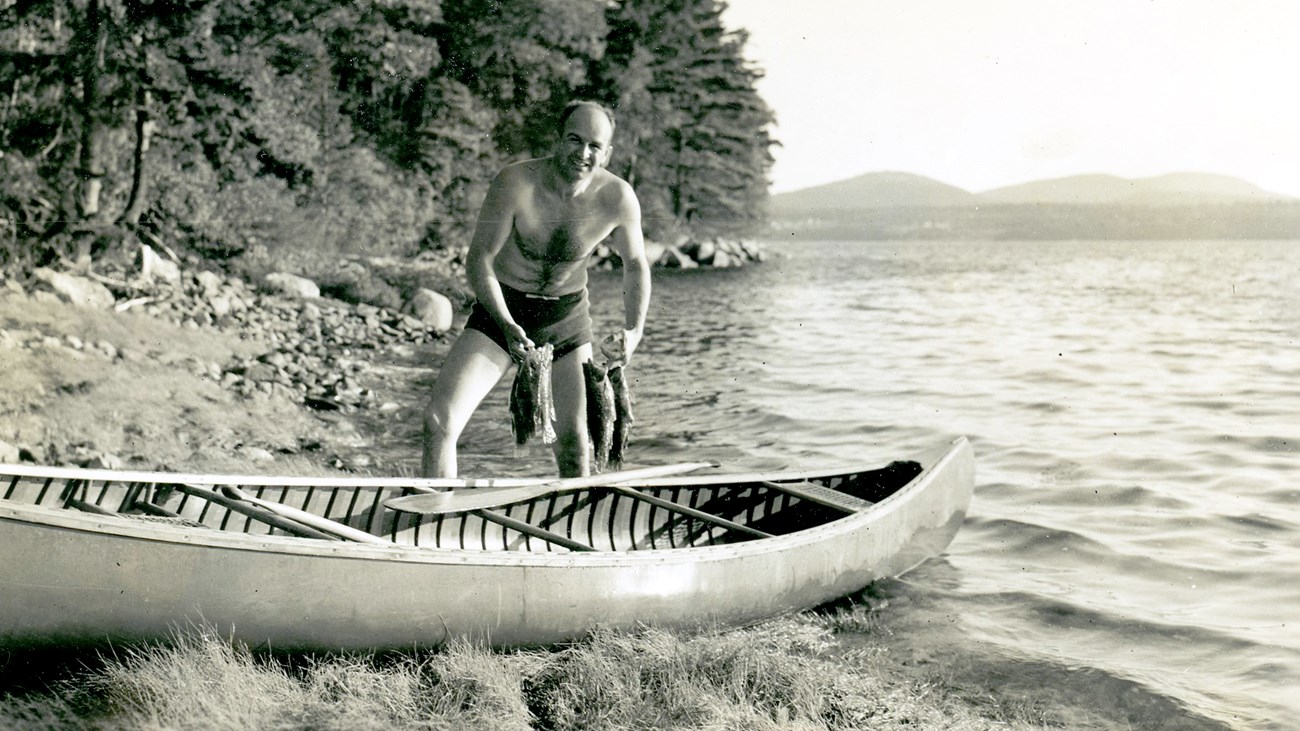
519,341
618,348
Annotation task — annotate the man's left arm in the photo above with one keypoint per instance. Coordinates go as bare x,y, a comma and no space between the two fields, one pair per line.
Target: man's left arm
628,242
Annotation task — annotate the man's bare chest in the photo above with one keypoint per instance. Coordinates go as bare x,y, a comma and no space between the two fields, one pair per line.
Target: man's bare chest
562,233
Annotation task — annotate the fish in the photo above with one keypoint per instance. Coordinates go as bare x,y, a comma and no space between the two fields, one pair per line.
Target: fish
623,418
532,404
600,413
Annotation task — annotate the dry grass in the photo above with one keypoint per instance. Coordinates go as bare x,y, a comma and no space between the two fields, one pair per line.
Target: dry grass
784,675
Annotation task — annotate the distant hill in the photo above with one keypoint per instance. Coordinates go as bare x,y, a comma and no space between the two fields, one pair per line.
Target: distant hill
1172,189
892,205
873,190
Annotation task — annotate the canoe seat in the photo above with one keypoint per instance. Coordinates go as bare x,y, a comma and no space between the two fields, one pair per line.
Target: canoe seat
820,494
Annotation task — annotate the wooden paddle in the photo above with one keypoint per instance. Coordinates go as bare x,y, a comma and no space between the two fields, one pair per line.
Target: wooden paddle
452,501
325,525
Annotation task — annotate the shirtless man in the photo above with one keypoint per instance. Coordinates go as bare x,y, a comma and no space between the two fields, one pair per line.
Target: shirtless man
527,265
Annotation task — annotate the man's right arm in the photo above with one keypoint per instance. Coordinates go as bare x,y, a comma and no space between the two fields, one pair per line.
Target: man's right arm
495,222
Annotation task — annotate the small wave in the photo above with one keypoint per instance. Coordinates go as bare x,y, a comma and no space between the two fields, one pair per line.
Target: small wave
928,631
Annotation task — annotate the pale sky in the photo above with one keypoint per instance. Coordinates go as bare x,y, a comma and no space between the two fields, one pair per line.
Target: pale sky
985,93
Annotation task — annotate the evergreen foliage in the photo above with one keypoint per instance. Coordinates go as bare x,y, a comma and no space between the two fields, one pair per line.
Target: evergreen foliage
312,128
696,131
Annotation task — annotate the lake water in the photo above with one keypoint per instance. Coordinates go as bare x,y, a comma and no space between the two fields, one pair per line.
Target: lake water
1135,533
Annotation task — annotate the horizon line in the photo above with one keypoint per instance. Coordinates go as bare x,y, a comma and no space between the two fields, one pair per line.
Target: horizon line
1030,181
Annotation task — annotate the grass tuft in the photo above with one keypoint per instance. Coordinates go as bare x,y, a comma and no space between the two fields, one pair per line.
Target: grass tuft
199,681
653,679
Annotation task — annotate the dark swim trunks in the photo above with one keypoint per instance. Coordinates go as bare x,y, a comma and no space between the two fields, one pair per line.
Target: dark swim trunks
564,321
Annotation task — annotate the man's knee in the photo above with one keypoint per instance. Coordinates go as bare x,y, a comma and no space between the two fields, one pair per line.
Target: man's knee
437,424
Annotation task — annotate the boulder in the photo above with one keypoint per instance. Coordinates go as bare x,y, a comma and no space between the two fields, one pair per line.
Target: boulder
704,252
654,250
154,268
9,454
209,282
430,308
102,461
260,372
255,454
673,258
79,291
291,285
222,304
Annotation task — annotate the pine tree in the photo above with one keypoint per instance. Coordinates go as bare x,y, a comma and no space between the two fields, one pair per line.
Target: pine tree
694,134
523,58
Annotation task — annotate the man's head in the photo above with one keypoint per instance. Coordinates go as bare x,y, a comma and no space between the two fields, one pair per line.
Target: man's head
585,142
572,107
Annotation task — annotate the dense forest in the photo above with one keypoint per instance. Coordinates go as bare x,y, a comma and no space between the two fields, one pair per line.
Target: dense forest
314,129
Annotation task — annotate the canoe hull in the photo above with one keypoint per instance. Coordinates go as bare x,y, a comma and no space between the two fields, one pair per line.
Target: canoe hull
75,577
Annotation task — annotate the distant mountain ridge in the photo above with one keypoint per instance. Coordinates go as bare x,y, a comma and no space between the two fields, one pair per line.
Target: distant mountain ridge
897,189
873,190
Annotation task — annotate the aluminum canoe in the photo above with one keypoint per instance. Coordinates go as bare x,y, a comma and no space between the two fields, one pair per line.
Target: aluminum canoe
95,555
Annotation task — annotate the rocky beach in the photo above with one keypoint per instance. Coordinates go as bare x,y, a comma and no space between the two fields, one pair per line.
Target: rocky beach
160,364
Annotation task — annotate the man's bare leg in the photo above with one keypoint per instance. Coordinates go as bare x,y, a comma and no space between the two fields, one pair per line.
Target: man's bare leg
569,388
473,367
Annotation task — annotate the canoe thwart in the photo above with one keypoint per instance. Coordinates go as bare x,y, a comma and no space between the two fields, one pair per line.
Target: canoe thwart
688,511
532,530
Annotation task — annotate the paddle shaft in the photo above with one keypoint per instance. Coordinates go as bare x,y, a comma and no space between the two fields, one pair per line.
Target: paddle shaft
243,507
333,527
430,502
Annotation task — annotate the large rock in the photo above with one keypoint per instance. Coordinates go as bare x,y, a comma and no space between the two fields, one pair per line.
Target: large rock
79,291
209,282
673,258
654,251
154,268
291,285
430,308
8,453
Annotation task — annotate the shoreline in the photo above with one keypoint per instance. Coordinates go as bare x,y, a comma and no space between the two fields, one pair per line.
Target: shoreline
151,407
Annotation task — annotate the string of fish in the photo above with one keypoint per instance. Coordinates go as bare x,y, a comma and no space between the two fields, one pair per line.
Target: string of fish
609,405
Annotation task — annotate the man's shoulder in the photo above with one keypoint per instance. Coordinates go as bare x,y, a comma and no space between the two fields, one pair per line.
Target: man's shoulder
614,186
522,170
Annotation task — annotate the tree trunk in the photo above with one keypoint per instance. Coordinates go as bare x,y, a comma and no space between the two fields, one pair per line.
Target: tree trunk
94,40
139,181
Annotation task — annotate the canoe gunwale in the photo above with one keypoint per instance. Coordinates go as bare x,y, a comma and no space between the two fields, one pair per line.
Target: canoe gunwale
934,462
